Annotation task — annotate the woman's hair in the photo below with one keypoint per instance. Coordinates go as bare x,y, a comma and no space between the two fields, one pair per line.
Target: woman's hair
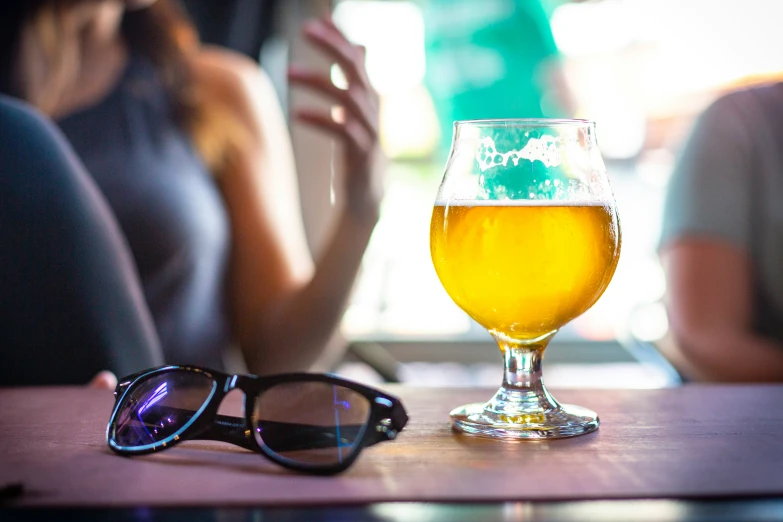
161,33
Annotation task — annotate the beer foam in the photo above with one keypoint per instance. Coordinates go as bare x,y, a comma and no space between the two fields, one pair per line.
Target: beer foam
543,149
519,203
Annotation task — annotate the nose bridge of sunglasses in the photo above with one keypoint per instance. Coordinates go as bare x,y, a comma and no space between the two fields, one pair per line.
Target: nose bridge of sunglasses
230,425
232,404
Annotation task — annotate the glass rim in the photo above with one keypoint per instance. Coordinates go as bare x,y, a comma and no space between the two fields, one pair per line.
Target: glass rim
526,122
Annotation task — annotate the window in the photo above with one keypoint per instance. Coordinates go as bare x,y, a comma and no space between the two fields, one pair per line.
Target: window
642,69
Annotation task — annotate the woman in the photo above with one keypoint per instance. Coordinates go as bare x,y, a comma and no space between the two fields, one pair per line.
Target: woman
190,149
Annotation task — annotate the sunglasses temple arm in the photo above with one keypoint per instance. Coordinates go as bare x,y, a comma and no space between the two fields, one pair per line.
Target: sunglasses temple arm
285,436
229,429
223,428
278,436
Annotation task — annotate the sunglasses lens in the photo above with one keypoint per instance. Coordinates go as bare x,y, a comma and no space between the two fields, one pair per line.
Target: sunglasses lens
311,423
156,410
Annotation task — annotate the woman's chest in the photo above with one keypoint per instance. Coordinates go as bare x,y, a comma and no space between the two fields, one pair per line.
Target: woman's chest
167,204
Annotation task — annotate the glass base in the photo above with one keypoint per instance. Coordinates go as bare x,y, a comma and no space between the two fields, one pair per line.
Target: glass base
565,420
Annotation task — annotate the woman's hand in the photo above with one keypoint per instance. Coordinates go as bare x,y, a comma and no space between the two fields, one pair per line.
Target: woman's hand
358,125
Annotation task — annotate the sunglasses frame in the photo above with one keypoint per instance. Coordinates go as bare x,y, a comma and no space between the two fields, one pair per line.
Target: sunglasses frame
386,418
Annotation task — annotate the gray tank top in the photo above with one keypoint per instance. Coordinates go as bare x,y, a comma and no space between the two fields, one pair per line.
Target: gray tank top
169,208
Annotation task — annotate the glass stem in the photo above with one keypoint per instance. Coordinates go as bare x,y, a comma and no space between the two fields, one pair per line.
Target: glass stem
523,391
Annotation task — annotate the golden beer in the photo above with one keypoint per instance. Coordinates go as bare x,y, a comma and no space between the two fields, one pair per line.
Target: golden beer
524,268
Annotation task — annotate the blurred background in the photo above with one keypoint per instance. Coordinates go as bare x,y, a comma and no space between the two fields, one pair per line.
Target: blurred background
641,69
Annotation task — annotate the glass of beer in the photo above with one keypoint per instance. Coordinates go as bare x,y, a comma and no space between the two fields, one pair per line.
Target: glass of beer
524,237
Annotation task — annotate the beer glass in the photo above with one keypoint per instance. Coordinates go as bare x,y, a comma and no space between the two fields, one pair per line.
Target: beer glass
524,238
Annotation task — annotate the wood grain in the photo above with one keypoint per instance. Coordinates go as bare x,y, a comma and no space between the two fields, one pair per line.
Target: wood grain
690,442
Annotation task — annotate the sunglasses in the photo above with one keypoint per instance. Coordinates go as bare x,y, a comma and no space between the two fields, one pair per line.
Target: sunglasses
314,423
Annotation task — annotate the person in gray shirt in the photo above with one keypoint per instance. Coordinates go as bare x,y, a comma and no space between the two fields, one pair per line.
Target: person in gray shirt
722,241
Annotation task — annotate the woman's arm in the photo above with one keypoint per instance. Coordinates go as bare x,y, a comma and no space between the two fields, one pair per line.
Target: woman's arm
710,307
285,308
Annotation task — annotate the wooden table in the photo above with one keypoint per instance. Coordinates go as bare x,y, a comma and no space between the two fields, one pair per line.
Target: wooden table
693,442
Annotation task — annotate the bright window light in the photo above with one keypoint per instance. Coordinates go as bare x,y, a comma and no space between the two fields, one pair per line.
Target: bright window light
393,33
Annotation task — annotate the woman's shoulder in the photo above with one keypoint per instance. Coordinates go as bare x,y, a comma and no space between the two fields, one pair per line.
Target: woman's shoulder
234,79
234,66
28,136
16,114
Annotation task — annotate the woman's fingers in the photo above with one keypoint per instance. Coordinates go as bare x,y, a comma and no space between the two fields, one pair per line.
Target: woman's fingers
354,101
328,22
104,380
349,57
357,126
354,134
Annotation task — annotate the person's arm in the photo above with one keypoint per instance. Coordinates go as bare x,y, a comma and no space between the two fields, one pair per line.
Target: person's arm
286,308
705,249
71,302
710,303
